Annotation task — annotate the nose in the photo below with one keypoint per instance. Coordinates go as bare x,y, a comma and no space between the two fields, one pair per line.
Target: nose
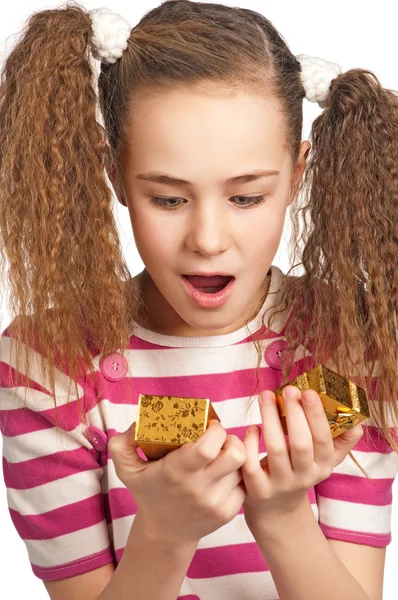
209,230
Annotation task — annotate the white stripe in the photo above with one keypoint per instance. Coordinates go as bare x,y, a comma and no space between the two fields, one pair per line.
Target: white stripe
71,546
41,443
44,442
144,363
56,494
62,381
354,517
82,485
233,587
376,464
178,362
232,413
234,532
14,397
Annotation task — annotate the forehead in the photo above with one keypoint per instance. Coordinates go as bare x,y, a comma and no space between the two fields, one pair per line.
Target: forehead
204,123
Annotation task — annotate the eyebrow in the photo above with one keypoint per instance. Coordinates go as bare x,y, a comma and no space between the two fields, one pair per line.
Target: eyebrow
159,177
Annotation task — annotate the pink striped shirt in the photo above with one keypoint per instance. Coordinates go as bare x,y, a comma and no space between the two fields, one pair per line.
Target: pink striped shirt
74,514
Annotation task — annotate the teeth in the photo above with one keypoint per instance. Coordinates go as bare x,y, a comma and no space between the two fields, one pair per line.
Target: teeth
210,290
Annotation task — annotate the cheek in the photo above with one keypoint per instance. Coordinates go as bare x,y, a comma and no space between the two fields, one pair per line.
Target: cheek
146,230
154,243
266,234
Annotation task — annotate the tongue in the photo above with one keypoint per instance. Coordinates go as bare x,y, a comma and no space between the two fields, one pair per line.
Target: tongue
216,281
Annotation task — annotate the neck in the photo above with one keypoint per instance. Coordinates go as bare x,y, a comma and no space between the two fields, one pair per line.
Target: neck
146,287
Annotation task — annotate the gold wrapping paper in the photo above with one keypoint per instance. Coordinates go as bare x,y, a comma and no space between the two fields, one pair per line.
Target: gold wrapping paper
344,402
165,423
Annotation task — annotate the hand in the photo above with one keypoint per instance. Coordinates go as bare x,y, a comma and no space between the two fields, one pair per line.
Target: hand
188,493
279,483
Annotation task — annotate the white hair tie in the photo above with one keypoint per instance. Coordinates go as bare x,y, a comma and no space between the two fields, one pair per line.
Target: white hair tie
111,33
317,75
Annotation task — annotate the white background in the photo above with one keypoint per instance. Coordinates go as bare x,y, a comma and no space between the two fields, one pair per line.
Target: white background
355,34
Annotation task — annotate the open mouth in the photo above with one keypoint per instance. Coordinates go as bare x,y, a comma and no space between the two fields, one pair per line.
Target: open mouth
208,285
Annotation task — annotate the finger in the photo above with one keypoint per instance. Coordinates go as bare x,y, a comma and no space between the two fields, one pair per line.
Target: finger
231,458
343,443
323,449
252,466
279,464
231,481
300,439
351,435
123,449
197,455
234,491
255,474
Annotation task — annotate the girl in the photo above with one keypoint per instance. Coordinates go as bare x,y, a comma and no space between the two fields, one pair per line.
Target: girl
202,113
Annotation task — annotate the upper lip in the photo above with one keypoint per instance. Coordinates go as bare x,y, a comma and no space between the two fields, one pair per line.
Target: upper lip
210,274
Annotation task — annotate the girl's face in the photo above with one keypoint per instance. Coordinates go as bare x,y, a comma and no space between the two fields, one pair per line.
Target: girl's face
205,225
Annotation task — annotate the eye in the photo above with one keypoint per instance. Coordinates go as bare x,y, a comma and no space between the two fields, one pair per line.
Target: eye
160,202
253,201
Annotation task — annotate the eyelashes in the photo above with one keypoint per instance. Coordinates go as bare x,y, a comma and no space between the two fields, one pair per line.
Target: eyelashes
160,202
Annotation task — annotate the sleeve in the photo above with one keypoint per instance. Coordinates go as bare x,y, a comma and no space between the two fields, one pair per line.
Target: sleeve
356,509
52,475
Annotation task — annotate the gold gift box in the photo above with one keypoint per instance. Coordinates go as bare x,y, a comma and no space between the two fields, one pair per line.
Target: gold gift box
344,402
165,423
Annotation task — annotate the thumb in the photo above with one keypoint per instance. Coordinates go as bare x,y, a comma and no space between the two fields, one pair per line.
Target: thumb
350,436
123,448
344,443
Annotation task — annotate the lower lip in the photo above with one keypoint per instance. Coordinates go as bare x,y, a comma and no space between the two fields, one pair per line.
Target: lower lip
208,300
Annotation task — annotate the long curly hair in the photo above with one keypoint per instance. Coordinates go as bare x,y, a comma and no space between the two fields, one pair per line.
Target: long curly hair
71,293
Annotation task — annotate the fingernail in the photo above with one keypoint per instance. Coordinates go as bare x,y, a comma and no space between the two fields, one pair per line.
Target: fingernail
265,396
251,429
290,392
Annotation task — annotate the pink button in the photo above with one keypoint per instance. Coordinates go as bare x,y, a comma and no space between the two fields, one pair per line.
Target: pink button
274,352
114,366
97,438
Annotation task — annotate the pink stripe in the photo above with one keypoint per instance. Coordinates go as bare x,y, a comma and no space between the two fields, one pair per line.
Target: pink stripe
54,523
380,540
227,560
378,444
238,431
20,421
218,386
121,503
350,488
33,344
45,469
76,567
372,441
22,475
40,470
10,377
222,560
222,386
